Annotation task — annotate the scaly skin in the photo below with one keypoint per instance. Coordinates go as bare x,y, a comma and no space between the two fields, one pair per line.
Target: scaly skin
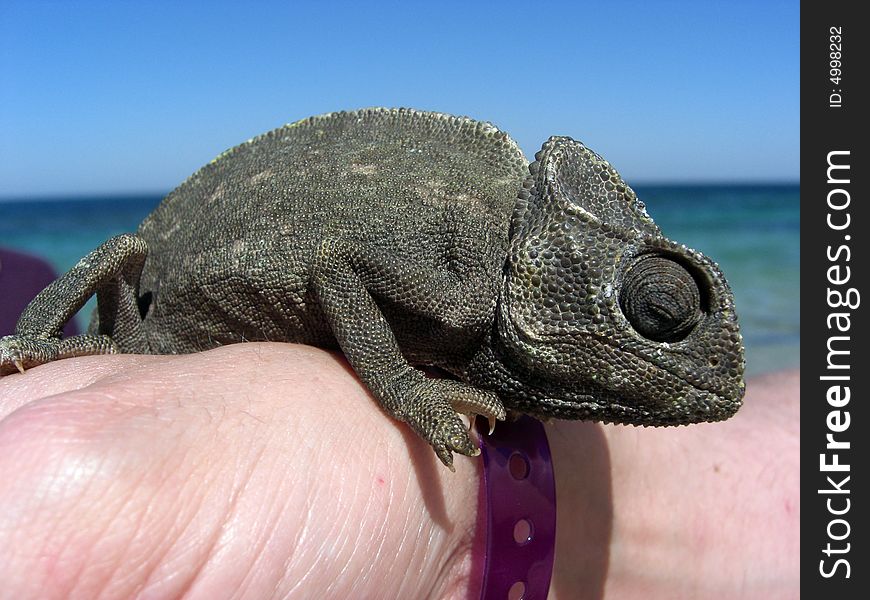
408,238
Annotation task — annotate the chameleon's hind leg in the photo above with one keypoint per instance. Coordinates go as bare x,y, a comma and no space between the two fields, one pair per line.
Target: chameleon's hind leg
112,273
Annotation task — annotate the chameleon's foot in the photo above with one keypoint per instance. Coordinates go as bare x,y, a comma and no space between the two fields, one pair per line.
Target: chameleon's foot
433,413
18,353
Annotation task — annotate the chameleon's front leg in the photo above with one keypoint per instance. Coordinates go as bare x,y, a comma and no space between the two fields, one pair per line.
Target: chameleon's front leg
112,272
344,280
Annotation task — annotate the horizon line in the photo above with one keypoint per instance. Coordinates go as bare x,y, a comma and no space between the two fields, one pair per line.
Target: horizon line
110,195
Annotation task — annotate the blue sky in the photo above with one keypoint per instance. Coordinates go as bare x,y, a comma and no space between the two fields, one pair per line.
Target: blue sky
133,96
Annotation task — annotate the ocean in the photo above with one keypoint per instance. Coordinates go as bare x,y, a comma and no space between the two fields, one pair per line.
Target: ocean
752,231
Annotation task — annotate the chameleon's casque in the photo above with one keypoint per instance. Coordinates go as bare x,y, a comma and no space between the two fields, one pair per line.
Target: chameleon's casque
410,238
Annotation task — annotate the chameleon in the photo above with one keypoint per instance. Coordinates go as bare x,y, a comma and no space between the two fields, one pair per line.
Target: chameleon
409,239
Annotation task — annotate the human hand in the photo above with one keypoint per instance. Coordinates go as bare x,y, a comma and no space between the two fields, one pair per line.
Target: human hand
266,470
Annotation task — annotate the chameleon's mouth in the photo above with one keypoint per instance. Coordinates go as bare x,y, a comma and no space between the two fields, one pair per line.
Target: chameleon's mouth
695,406
660,398
672,397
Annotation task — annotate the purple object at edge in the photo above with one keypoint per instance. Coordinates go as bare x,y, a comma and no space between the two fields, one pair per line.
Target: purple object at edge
22,276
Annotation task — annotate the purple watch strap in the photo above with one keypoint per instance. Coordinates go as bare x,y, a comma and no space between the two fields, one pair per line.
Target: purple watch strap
520,511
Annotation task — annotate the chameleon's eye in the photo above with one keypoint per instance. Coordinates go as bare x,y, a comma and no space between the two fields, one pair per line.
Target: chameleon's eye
660,298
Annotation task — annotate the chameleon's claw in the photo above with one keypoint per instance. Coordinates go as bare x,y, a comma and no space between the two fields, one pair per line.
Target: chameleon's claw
18,365
491,419
472,421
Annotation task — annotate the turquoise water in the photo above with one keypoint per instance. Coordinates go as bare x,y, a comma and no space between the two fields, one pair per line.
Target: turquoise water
753,232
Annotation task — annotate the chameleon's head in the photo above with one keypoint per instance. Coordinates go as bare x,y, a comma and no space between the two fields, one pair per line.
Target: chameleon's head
601,316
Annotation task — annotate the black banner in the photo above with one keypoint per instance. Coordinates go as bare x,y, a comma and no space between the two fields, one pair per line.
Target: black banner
834,370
